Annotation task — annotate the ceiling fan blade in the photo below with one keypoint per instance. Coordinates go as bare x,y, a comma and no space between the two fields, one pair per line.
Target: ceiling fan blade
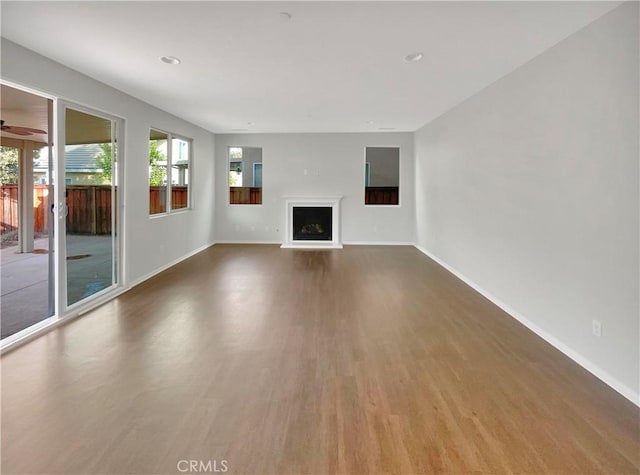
22,130
15,131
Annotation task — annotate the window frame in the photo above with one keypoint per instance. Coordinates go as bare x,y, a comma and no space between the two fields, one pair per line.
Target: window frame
169,185
228,187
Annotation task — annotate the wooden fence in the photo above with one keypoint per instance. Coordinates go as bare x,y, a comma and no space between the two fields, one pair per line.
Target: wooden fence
381,195
158,198
247,195
89,207
9,213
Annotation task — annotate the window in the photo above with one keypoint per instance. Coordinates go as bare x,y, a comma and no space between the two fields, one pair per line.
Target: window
235,166
382,176
179,174
245,175
169,169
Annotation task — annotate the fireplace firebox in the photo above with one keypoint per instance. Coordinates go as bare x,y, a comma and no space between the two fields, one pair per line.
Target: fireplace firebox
312,223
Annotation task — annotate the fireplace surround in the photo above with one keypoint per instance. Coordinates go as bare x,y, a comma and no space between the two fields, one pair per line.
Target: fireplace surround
312,222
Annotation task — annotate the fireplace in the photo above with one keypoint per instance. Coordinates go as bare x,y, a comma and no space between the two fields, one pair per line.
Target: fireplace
312,222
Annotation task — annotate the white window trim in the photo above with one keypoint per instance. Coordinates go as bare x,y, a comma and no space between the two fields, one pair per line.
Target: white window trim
228,158
168,208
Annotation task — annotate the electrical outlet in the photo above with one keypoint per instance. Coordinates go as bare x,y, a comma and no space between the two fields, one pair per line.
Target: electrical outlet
596,328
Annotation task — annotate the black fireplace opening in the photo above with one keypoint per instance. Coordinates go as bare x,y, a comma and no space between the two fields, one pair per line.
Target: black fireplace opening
312,223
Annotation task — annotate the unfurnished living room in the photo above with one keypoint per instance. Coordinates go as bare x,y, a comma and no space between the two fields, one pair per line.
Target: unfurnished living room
320,237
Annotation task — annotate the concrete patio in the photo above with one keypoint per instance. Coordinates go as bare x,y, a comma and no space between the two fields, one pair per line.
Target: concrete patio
24,279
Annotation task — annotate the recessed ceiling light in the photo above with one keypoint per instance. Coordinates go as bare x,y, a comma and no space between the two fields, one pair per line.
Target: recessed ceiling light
170,60
286,16
413,57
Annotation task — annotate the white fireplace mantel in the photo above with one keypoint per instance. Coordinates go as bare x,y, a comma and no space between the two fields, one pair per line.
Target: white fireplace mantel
309,201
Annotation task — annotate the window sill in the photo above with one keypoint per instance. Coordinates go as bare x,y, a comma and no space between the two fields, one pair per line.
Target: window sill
170,213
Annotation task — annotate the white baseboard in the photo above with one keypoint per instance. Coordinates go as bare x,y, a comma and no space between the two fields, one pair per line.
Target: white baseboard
163,268
306,246
377,243
348,243
594,369
249,242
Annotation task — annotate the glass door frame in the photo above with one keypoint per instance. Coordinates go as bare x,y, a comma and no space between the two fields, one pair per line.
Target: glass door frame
37,328
63,310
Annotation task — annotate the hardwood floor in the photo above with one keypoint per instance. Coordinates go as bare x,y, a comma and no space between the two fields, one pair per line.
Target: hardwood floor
362,360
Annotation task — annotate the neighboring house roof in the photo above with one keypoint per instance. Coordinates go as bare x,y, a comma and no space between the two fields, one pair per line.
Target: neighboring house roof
78,159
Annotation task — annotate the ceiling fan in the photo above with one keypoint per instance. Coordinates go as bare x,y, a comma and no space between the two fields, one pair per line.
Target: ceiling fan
12,129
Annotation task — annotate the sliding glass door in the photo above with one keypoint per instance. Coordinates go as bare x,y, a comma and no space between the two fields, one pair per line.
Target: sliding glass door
26,225
59,177
91,200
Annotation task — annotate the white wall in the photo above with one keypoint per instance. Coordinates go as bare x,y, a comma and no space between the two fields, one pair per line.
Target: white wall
335,166
150,243
530,190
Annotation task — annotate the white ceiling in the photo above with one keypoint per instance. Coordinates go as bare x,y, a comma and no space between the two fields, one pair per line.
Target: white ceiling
333,67
19,108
